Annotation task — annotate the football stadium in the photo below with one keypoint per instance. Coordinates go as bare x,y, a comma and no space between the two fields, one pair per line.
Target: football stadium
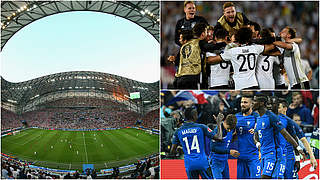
67,120
79,124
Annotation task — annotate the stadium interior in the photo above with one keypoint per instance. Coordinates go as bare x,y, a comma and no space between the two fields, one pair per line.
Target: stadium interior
79,99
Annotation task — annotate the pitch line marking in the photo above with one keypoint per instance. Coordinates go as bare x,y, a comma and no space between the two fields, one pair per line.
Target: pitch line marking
31,139
85,147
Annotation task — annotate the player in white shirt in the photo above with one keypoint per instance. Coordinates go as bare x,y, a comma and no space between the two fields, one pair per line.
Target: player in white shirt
243,59
219,73
264,70
292,61
277,74
306,68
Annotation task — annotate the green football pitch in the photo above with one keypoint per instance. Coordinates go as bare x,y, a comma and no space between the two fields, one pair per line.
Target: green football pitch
70,149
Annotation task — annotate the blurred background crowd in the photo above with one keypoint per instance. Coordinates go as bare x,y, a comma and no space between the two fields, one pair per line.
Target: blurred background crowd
303,108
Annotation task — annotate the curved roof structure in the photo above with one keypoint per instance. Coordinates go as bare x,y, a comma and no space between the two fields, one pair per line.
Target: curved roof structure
95,84
17,14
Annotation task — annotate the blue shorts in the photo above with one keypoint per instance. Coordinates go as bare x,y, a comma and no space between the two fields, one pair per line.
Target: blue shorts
197,166
268,164
194,174
280,165
289,171
249,168
220,169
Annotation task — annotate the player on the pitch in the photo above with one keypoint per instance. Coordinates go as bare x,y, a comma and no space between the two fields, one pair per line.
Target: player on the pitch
220,149
268,124
291,160
191,137
248,164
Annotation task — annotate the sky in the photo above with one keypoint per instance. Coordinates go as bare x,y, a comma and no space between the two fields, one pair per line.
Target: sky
81,41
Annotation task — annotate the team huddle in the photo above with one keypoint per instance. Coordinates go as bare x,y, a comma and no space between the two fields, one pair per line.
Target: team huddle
235,54
267,142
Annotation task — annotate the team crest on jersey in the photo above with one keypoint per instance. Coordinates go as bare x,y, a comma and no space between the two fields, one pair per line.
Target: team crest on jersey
186,51
248,122
263,124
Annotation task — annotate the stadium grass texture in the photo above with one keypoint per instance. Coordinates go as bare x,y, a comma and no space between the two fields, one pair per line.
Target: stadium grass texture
105,149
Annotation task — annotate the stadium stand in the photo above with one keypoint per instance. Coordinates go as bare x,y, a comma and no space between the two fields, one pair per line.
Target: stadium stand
17,169
78,100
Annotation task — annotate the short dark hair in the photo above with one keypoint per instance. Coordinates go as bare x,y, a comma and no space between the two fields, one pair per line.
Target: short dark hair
186,35
271,29
190,112
198,29
256,26
265,33
246,96
283,102
221,33
244,35
261,98
292,32
187,2
231,120
227,4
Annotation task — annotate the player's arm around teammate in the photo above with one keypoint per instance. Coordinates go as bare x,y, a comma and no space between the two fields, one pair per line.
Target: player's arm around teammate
266,51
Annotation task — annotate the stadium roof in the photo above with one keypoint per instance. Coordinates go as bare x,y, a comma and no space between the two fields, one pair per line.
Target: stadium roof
17,14
77,81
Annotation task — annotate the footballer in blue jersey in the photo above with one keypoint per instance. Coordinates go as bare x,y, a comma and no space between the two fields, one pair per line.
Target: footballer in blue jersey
248,164
268,124
191,137
220,149
282,149
291,171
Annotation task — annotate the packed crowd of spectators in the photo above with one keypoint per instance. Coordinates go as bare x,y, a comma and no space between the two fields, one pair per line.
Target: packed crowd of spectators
80,119
148,169
9,120
151,119
303,16
80,113
17,169
14,169
84,102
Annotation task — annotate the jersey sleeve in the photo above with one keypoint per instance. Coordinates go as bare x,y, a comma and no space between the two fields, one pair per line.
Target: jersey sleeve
281,50
290,127
294,47
275,122
175,138
226,55
207,131
208,54
177,32
260,48
298,130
